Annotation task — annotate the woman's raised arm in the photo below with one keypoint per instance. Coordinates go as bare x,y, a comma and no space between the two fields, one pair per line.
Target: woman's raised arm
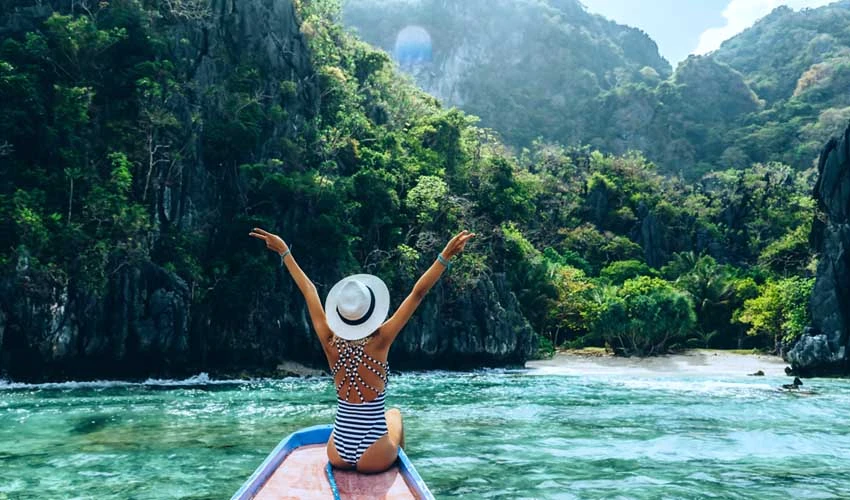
308,289
390,329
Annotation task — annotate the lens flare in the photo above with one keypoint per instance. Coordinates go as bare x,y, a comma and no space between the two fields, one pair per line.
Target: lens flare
413,46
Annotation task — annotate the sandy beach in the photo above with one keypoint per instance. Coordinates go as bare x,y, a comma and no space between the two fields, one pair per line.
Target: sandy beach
698,361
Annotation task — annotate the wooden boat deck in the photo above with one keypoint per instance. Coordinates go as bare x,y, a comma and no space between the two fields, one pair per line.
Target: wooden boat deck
296,469
302,476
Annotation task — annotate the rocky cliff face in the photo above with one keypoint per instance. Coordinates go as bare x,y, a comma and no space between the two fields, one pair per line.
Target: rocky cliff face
825,347
151,322
482,327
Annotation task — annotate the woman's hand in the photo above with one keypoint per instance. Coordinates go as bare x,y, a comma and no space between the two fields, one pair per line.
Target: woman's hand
456,244
273,241
307,288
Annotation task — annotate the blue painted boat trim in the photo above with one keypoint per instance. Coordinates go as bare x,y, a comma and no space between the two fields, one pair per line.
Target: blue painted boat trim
318,434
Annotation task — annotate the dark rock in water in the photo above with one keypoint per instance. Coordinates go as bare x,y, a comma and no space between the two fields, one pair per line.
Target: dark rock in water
757,374
141,323
291,368
813,354
823,348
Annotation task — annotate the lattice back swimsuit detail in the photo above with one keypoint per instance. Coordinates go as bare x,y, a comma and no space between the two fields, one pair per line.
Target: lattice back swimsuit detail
357,425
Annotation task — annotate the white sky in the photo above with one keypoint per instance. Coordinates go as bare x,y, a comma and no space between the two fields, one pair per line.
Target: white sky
682,27
741,14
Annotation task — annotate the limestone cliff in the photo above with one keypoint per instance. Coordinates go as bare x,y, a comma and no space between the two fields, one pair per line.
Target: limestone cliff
825,347
149,319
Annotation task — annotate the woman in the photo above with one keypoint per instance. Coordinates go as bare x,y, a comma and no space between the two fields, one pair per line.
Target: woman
356,341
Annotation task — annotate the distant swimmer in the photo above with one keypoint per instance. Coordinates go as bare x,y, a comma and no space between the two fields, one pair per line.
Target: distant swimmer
793,386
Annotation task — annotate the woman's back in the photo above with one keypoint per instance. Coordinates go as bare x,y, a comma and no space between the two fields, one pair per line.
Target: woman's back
359,369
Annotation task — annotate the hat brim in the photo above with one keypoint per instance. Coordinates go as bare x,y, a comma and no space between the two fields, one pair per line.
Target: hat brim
379,314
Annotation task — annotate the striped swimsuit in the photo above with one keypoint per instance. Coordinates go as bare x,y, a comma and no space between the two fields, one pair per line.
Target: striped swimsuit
357,425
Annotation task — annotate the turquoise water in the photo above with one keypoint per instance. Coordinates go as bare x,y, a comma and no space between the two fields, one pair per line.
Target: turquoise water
489,434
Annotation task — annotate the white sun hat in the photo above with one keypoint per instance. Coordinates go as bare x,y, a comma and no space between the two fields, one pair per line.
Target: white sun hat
357,306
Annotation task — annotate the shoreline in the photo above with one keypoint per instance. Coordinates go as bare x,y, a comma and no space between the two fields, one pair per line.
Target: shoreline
566,362
693,361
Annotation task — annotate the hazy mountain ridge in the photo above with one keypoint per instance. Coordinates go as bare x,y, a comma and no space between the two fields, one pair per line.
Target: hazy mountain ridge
532,54
781,48
605,85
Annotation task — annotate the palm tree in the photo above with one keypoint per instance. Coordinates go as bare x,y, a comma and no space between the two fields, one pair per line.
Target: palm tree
711,288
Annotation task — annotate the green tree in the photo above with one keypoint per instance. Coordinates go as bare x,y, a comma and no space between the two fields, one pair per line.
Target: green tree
644,316
781,310
571,312
428,198
711,289
622,270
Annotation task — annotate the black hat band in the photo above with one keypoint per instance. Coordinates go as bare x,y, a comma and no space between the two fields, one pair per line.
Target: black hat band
365,317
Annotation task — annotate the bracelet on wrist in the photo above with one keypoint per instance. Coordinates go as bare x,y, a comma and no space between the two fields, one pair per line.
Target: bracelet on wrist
284,254
444,261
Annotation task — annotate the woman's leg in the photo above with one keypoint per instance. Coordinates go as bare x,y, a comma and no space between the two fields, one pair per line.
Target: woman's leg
382,454
334,457
379,456
395,427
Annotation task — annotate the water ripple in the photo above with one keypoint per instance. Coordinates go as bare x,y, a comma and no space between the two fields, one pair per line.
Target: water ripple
484,434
